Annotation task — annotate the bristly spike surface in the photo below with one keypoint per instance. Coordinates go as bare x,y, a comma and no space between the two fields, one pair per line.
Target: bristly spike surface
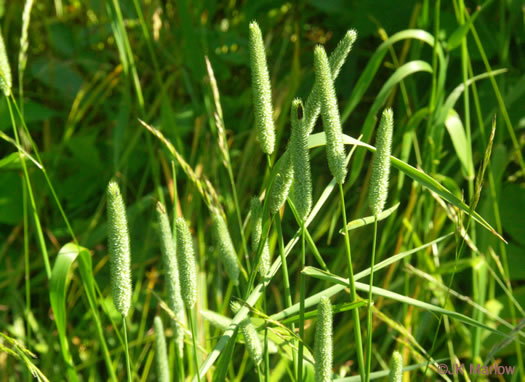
396,368
163,370
256,221
262,91
335,149
282,183
5,70
119,249
300,161
323,349
187,266
227,252
381,166
171,267
336,60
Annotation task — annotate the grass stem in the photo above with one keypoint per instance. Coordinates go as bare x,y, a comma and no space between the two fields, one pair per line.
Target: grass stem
369,318
126,348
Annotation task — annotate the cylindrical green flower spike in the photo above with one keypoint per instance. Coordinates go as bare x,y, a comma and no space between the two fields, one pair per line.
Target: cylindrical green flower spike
381,166
281,183
262,91
256,219
186,260
336,60
300,161
119,251
169,259
323,352
253,343
335,149
163,370
396,368
227,252
5,70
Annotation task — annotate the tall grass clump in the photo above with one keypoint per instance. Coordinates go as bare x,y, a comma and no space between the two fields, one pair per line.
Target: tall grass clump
262,91
323,349
119,259
163,370
172,278
227,254
377,198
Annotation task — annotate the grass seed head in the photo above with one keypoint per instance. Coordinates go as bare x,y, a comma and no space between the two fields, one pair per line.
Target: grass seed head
396,368
335,149
163,371
262,91
336,60
381,166
256,222
5,70
323,352
186,261
282,183
171,269
300,159
227,252
119,249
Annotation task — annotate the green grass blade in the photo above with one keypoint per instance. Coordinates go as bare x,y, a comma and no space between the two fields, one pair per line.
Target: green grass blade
361,222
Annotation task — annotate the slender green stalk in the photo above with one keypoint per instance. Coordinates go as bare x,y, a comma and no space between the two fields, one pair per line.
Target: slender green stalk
369,317
126,348
353,294
192,318
301,307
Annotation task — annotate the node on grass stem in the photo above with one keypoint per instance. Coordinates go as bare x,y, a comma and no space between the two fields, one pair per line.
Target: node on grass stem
119,249
381,166
262,92
186,262
5,69
171,267
396,368
163,370
256,222
300,161
323,349
335,149
227,252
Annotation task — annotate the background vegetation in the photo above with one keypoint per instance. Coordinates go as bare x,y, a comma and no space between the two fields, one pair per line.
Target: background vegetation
94,68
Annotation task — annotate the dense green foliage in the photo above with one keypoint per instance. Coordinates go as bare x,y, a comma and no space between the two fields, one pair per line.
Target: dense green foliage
158,95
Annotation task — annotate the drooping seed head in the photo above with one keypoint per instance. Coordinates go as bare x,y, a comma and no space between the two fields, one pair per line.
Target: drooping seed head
256,220
381,166
336,60
282,183
335,149
163,370
186,260
300,159
5,69
227,252
262,92
396,368
323,349
171,268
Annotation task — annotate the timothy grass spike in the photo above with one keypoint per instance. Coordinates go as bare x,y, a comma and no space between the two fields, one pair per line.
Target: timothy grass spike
323,349
282,183
227,252
119,249
5,70
24,41
253,343
262,91
256,221
336,61
335,148
186,262
396,368
300,161
381,166
169,259
163,370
